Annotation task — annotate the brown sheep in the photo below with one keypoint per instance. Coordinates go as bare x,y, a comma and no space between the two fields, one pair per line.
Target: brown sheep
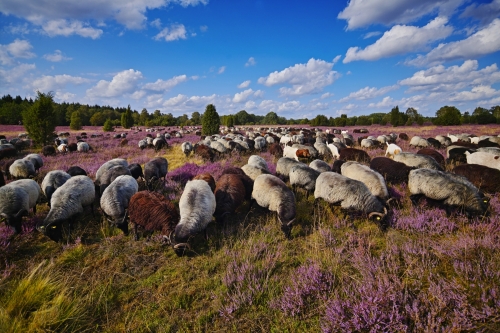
208,178
353,154
404,136
434,154
392,171
303,153
48,151
484,178
275,149
205,152
229,193
72,147
123,143
153,212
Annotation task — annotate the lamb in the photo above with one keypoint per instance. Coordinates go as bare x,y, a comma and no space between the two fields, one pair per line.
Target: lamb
392,171
393,149
67,201
52,181
483,158
270,192
350,194
418,161
304,177
197,205
353,154
284,165
371,178
208,178
153,212
229,195
187,148
447,189
155,170
115,200
14,204
484,178
22,169
320,165
76,171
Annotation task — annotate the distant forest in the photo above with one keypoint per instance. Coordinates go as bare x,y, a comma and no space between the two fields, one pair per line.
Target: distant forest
11,110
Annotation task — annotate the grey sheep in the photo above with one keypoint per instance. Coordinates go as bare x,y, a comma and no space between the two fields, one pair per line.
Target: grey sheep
187,148
253,172
115,199
109,164
371,178
350,194
304,177
32,188
320,165
14,204
284,165
22,169
196,206
270,192
154,170
418,161
35,159
258,162
67,201
449,189
110,175
52,181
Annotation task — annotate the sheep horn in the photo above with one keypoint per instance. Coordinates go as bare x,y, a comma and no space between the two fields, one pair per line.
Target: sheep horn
124,216
290,223
375,214
176,246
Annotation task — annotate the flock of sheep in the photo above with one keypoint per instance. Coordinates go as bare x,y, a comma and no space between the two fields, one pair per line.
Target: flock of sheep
355,182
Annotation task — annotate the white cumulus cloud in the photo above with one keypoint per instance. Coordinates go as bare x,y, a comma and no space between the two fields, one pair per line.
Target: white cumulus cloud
122,83
165,85
56,82
244,84
368,92
17,49
250,62
401,39
174,32
485,12
67,28
361,13
307,78
484,41
57,56
15,74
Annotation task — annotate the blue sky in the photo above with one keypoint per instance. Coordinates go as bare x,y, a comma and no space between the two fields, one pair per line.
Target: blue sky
296,58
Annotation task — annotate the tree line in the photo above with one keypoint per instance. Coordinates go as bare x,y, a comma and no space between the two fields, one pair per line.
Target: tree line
77,115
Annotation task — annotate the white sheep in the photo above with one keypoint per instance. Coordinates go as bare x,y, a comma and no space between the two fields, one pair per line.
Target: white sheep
284,165
31,187
67,201
320,165
52,181
35,159
334,149
108,165
270,192
14,204
258,162
115,199
393,149
304,177
452,190
82,147
417,141
196,207
187,148
483,158
22,169
418,161
350,194
371,178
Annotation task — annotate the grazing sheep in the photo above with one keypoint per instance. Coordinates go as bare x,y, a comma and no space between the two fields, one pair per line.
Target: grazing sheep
350,194
313,153
115,200
434,142
304,177
83,147
208,178
275,149
155,170
247,181
490,150
371,178
418,141
456,154
483,158
62,148
123,142
153,212
229,195
404,136
48,151
320,165
205,152
448,189
67,201
418,161
159,143
270,192
296,153
258,162
187,148
323,150
197,206
35,159
72,147
143,144
2,180
337,165
108,165
484,178
53,180
392,171
353,154
434,154
443,140
136,170
253,171
260,143
31,187
284,165
393,149
14,204
368,143
110,175
22,169
76,171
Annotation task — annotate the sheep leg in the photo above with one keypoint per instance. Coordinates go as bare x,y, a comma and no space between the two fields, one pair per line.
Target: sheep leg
135,232
415,198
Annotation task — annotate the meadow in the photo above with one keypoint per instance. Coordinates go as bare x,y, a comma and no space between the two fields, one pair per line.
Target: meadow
426,273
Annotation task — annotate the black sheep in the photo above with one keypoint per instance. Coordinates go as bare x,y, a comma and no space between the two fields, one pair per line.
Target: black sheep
392,171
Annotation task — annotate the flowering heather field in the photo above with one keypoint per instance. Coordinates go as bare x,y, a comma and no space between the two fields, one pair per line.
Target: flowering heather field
425,273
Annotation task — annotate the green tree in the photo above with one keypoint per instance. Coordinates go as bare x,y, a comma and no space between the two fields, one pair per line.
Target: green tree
196,118
229,121
76,121
210,121
495,111
40,119
395,116
143,117
97,119
108,126
270,119
483,116
447,116
127,121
